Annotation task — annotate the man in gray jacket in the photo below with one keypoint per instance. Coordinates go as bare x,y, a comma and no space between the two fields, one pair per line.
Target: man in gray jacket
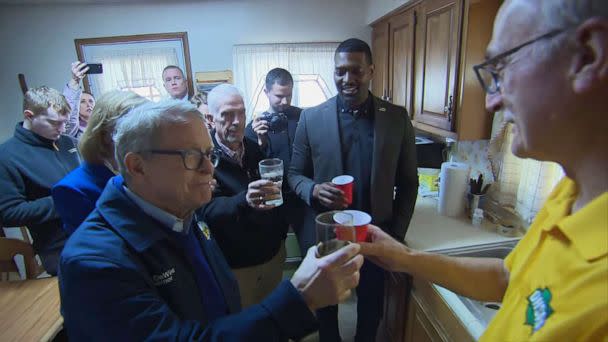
358,134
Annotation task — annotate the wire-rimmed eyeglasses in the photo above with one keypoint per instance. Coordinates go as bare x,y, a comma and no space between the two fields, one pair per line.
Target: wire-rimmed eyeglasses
489,72
192,159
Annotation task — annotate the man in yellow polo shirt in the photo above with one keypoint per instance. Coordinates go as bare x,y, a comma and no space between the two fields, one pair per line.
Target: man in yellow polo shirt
547,70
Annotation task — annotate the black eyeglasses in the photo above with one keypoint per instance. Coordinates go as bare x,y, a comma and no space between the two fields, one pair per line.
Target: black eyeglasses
489,72
193,159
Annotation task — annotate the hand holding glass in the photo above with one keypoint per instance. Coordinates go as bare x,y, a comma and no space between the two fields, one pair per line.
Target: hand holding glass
334,230
272,170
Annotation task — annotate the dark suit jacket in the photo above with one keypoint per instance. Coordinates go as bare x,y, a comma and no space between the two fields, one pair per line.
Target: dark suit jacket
317,158
75,195
123,278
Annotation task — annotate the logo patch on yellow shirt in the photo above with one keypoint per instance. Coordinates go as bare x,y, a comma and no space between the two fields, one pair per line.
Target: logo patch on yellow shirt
539,308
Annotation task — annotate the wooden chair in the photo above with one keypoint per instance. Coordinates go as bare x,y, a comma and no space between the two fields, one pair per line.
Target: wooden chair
9,248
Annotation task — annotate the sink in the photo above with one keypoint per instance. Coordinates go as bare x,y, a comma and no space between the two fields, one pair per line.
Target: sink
482,311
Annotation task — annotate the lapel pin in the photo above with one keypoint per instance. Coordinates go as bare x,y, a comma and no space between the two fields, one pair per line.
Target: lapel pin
205,230
382,109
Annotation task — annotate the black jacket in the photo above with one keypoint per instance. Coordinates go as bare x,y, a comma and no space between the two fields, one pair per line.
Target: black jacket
29,167
246,236
280,145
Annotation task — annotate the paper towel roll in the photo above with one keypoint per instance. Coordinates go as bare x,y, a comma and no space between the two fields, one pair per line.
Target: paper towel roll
452,188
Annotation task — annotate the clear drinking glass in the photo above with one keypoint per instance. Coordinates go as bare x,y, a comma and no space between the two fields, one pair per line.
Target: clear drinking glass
272,170
334,230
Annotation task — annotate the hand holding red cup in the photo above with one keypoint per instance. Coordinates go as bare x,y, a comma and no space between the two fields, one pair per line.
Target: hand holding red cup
361,220
346,184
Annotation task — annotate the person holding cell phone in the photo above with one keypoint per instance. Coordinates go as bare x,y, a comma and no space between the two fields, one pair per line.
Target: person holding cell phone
244,214
81,102
371,143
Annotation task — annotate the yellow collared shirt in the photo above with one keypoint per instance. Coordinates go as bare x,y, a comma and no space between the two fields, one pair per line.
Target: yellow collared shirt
558,286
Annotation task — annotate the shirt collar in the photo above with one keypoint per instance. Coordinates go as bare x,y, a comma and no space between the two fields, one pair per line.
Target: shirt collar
586,228
363,110
168,220
237,155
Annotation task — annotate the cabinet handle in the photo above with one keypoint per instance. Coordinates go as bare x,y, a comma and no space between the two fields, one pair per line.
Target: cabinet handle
449,109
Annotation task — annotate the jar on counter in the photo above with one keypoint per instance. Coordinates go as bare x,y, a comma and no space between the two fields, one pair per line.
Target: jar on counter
477,217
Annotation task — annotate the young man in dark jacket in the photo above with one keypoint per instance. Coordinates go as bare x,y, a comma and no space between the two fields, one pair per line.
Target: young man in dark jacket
31,162
274,131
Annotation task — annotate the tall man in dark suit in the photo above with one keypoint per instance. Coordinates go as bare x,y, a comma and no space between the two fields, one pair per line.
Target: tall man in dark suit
274,131
358,134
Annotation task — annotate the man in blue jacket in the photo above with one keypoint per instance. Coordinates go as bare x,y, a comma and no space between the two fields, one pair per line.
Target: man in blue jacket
31,162
144,267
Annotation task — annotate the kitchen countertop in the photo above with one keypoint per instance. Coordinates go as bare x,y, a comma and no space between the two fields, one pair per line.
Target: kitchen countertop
431,231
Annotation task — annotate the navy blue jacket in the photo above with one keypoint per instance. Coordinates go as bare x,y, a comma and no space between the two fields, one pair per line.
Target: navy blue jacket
121,278
29,166
75,195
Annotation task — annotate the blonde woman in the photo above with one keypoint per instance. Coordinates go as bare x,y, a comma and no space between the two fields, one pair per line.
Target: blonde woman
75,195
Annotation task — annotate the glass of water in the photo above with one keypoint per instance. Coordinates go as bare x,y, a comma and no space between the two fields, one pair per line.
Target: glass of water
334,230
272,170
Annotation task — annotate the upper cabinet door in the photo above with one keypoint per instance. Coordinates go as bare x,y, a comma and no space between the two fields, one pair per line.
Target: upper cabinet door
380,59
437,62
401,67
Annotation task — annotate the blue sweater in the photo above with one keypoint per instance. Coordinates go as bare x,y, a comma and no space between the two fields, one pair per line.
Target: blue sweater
76,194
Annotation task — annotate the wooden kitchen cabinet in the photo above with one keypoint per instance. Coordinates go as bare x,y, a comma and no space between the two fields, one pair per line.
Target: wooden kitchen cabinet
429,318
436,62
396,291
393,53
401,47
380,59
424,53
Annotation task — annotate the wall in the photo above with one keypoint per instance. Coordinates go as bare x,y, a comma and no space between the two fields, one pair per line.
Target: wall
38,40
375,9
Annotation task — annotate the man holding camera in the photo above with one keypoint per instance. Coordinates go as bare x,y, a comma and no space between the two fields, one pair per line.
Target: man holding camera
274,131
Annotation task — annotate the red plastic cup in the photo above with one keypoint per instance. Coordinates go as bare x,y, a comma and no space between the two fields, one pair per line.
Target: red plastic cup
346,184
344,228
361,220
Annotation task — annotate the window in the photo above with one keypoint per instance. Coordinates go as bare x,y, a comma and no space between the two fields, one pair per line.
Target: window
135,62
311,65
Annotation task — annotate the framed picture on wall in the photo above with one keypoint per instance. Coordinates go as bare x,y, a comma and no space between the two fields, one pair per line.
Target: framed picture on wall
207,80
135,62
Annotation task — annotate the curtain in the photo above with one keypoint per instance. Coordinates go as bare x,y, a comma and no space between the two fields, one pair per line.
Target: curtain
523,184
132,68
252,62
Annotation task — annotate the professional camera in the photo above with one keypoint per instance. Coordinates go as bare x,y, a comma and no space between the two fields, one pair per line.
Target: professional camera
277,122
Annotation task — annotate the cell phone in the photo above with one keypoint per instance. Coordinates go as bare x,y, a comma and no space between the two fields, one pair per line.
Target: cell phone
94,68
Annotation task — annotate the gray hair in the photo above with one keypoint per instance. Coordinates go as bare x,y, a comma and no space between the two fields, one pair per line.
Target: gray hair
218,94
139,129
558,14
564,14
